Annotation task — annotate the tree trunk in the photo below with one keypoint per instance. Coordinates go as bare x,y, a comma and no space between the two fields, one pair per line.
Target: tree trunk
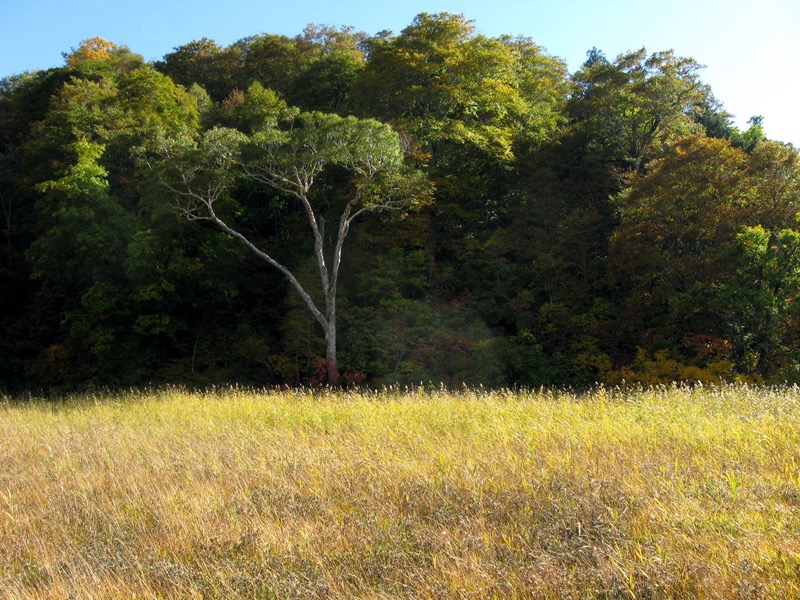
330,342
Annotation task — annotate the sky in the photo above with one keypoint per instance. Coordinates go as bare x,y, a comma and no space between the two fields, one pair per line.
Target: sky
750,49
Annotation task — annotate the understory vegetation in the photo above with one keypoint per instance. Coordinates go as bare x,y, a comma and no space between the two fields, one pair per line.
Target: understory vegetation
621,492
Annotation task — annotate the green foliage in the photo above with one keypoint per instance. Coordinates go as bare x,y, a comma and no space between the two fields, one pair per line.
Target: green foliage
748,140
631,110
568,229
205,63
288,152
259,109
757,309
78,254
528,365
327,83
442,83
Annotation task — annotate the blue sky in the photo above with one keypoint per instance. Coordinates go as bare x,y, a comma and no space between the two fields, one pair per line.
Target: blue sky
750,49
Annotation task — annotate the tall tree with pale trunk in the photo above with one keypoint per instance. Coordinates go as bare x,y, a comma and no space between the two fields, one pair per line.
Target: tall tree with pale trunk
288,151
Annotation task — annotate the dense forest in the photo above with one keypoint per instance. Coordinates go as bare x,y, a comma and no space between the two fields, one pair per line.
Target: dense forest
429,206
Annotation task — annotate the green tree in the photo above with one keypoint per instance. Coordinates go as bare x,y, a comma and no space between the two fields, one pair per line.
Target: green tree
757,309
749,139
327,84
678,225
631,110
216,69
288,153
440,81
79,254
24,102
274,61
322,40
468,106
86,302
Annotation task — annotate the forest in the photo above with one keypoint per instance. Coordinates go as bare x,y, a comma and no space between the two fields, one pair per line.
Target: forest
430,206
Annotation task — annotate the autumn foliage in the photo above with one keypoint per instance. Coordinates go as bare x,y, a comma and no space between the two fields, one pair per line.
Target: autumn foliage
555,229
95,48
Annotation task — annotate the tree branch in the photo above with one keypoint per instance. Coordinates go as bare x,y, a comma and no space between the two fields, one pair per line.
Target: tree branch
266,257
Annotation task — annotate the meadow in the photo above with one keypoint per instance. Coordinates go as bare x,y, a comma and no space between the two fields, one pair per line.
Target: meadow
619,493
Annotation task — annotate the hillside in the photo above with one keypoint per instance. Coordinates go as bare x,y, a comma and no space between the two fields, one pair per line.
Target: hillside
431,206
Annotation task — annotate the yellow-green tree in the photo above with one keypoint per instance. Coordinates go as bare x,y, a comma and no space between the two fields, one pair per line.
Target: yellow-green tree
631,110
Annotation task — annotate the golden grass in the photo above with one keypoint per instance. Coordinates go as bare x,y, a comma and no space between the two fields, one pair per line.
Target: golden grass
614,494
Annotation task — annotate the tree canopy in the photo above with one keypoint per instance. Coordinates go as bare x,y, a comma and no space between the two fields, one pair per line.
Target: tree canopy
435,205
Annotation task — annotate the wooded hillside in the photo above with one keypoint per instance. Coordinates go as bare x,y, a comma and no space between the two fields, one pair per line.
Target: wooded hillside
448,207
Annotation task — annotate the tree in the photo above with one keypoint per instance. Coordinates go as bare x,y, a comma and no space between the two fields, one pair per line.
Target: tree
81,184
774,169
78,258
708,246
289,153
216,69
752,137
324,40
93,49
469,105
442,83
632,109
274,61
757,310
678,227
327,83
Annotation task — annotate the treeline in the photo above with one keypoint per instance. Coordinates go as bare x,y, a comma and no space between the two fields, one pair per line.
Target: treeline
606,225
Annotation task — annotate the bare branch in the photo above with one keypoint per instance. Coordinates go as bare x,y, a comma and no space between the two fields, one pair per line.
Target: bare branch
312,307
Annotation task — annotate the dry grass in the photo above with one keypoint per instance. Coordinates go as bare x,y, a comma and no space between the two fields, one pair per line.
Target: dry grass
615,494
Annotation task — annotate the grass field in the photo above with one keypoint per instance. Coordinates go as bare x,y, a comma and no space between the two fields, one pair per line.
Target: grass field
672,492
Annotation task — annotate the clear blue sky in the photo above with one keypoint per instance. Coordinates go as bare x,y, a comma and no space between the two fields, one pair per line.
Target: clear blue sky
751,49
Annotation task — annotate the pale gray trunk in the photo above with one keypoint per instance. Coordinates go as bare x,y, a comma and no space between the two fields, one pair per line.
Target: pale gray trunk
330,341
329,279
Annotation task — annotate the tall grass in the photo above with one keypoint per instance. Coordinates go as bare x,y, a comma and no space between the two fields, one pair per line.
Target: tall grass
643,494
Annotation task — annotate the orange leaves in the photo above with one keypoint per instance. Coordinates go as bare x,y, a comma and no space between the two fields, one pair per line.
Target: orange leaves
95,48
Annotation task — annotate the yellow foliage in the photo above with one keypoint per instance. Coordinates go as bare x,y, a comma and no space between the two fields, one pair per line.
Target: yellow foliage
682,492
95,48
662,368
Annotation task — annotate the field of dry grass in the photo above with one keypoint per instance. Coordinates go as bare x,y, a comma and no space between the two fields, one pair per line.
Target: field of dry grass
614,494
